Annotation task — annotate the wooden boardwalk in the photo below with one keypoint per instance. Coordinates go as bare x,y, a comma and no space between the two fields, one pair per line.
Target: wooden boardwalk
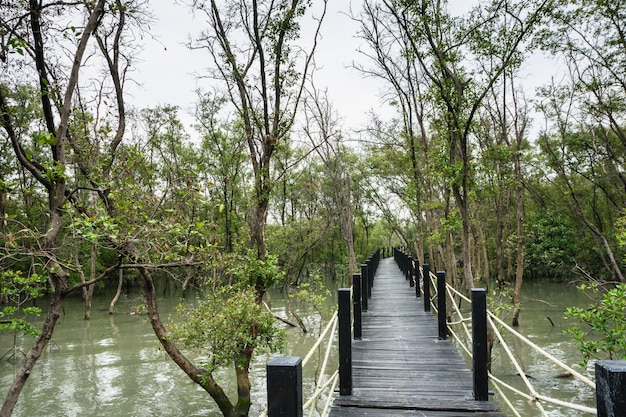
399,367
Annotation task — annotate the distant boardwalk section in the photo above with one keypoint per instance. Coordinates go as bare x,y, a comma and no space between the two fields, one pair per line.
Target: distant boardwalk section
399,366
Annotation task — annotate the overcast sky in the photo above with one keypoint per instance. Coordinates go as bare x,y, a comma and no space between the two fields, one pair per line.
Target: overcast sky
168,68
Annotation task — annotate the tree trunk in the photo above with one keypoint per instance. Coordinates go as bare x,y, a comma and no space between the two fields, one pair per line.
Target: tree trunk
33,354
242,369
118,292
88,290
466,247
343,198
519,270
198,375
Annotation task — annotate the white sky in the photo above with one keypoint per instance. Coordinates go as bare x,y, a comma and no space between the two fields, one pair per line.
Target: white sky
167,68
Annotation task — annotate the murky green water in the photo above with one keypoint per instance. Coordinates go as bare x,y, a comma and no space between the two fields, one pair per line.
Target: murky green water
112,365
539,303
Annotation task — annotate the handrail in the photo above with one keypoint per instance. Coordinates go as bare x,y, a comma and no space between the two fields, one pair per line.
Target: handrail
577,375
331,322
311,402
556,361
534,396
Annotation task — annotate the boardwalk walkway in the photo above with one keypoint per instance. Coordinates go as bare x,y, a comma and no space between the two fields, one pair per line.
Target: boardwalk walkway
400,368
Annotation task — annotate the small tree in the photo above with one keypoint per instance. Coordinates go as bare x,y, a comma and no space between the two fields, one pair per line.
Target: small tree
18,289
228,326
605,334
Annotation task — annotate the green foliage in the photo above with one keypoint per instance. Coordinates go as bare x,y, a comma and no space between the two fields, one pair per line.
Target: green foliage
499,300
95,228
251,271
605,331
551,247
620,226
18,290
15,45
44,138
223,325
315,294
140,309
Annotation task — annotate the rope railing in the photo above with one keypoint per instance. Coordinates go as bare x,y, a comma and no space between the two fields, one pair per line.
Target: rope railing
329,334
285,397
531,395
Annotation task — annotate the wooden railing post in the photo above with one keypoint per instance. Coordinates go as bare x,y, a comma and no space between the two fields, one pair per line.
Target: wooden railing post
368,266
410,271
284,387
376,260
345,343
479,344
426,275
365,288
405,265
356,302
441,305
611,388
416,273
370,277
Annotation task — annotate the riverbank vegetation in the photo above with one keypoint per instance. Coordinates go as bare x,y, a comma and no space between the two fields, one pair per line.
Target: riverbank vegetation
475,173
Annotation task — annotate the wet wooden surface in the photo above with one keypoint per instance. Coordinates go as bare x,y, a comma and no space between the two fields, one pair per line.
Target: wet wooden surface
400,367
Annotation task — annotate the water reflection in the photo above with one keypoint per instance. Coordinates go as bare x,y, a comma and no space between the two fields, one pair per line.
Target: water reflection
539,303
113,366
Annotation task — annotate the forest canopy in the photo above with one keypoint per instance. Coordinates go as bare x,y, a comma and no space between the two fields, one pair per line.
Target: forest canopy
259,185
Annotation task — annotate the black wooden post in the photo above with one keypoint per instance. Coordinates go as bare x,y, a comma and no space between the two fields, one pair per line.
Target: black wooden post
426,275
365,288
410,271
416,272
345,343
441,305
611,388
356,302
479,344
405,266
370,276
376,260
284,387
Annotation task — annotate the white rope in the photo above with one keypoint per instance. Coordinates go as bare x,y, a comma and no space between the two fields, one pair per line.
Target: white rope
328,348
536,396
521,372
433,292
460,321
512,388
461,295
324,363
459,342
331,324
556,361
319,390
573,406
463,345
504,397
544,353
319,339
458,311
329,400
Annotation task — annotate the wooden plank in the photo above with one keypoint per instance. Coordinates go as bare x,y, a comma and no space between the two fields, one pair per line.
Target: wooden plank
413,403
400,367
373,412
